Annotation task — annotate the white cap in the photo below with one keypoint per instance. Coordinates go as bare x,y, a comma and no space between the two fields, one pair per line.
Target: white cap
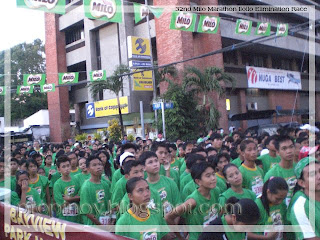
264,152
76,144
310,128
124,156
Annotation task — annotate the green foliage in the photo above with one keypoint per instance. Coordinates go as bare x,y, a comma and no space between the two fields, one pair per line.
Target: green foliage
25,58
97,136
130,138
81,137
114,130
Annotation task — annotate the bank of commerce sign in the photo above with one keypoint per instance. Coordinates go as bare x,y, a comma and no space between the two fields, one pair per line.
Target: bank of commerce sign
267,78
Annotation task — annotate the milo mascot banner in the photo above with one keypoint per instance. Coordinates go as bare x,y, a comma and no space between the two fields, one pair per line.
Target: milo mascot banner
106,10
67,78
33,79
52,6
183,21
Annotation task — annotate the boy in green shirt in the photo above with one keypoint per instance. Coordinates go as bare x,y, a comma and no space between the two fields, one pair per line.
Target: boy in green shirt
14,165
74,164
221,160
285,169
95,195
65,192
270,159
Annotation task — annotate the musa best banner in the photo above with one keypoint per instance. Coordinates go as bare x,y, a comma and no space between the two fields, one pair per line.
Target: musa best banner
98,75
52,6
67,78
208,24
48,88
24,89
183,21
107,108
106,10
33,79
268,78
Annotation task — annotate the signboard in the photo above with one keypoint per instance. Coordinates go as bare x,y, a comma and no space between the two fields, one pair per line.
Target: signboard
157,106
32,79
52,6
139,48
142,81
106,108
140,64
105,10
267,78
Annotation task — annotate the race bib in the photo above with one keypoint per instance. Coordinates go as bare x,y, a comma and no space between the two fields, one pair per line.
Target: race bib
167,207
70,210
105,220
257,185
149,236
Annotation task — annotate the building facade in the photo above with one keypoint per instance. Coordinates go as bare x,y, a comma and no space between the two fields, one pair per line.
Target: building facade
75,43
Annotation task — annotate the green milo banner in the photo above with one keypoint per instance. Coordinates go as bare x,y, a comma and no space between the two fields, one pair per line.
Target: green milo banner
183,21
98,75
67,78
208,24
2,90
263,29
106,10
33,79
24,89
243,27
52,6
282,29
50,87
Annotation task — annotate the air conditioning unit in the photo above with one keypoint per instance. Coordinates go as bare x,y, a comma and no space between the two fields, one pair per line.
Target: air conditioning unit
252,106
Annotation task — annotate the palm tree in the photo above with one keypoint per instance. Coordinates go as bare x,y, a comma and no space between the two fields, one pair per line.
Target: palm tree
212,79
114,83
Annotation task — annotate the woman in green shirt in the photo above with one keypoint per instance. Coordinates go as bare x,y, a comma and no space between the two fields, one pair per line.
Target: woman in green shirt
104,156
272,208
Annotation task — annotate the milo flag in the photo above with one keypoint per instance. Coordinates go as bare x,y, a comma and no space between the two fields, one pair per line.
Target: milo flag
106,10
263,29
156,11
52,6
66,78
243,27
208,24
282,29
98,75
140,12
183,21
33,79
50,87
2,90
24,89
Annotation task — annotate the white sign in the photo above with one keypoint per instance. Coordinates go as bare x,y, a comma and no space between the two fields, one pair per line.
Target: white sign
268,78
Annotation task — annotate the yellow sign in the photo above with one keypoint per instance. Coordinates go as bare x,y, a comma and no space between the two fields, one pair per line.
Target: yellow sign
139,48
142,81
110,107
228,104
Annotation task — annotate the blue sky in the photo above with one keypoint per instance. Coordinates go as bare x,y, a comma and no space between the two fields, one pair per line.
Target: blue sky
18,25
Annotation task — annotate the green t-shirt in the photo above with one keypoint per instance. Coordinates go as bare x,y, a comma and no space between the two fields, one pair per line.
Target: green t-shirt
32,198
176,164
205,211
185,181
40,185
115,178
12,183
268,162
75,172
94,199
287,174
119,191
174,175
252,178
81,178
168,192
221,182
71,189
54,178
299,215
230,193
130,219
237,162
47,169
183,167
277,216
233,235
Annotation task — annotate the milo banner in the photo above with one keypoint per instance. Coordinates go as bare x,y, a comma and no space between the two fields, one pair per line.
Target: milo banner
17,223
67,78
52,6
24,89
98,75
282,30
267,78
243,27
263,29
33,79
106,10
2,90
48,88
183,21
141,11
208,24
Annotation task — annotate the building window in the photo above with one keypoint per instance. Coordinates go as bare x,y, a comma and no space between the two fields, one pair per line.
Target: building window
258,61
74,35
230,58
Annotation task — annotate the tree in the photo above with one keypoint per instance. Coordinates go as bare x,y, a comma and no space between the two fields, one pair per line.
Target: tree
212,79
25,58
114,130
114,83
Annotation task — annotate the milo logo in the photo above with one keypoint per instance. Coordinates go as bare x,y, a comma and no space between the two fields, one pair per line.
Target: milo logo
149,236
282,28
29,199
262,28
68,77
49,4
144,11
25,89
291,183
34,79
163,195
70,190
100,195
183,20
1,90
100,8
209,24
47,88
97,75
243,26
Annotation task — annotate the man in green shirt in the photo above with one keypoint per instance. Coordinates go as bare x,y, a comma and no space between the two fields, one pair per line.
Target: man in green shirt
270,159
307,172
285,168
65,192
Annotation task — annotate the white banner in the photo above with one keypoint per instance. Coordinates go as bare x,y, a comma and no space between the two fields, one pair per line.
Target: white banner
269,78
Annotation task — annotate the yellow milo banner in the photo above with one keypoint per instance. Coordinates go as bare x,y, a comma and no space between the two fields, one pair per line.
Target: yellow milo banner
106,108
142,81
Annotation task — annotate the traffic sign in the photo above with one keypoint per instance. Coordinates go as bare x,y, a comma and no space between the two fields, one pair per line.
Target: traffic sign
157,106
